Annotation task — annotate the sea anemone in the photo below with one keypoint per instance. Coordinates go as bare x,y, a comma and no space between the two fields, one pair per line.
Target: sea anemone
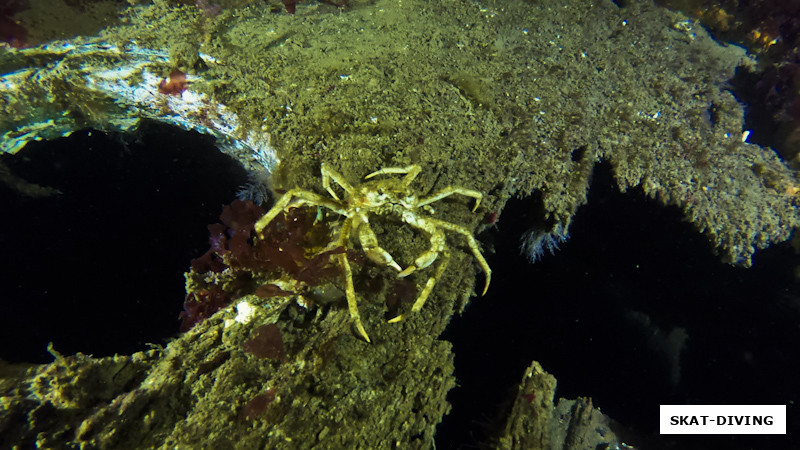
536,243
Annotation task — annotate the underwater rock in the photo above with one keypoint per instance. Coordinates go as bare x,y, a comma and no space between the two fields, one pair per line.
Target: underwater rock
65,86
325,390
535,421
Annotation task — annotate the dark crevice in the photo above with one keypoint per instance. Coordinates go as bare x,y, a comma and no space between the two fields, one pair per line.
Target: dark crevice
598,313
95,262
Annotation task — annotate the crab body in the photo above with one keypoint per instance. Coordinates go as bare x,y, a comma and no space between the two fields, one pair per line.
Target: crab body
384,197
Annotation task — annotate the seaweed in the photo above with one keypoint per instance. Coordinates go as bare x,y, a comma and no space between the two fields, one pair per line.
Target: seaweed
266,342
291,249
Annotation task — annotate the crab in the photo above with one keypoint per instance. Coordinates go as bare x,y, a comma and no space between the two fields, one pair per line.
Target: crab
384,197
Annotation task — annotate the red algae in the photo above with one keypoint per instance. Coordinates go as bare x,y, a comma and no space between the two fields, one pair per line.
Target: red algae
175,84
266,342
291,247
257,405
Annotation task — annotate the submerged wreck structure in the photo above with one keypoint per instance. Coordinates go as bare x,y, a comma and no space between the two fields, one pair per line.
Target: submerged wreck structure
506,99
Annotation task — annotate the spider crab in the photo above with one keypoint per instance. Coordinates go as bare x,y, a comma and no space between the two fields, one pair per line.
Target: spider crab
384,197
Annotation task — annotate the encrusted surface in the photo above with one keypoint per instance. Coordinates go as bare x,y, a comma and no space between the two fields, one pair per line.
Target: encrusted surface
511,97
325,391
506,98
535,421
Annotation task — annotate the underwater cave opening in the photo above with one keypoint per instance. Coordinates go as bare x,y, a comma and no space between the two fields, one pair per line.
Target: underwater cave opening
634,311
94,255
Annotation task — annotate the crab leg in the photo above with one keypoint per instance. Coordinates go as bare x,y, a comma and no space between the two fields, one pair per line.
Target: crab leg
473,245
369,243
436,237
411,172
329,174
295,198
426,291
350,291
450,190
